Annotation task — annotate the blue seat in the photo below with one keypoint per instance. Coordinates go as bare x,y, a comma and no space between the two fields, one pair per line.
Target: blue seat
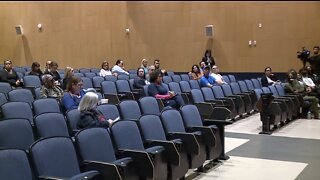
84,70
17,110
176,78
109,91
96,82
95,70
166,79
95,147
73,117
56,157
175,87
170,73
123,86
133,76
239,102
78,74
150,105
249,84
90,74
194,84
110,78
3,99
232,78
50,125
129,109
31,81
5,88
110,111
16,133
235,89
87,82
15,165
21,95
226,79
45,105
127,138
123,77
256,84
132,71
185,77
152,132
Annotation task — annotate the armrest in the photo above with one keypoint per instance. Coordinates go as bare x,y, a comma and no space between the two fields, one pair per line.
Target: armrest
171,151
207,134
142,160
107,170
86,175
216,122
189,141
113,98
49,178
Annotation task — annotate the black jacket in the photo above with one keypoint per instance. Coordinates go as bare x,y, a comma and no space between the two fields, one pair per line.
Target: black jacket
92,118
7,77
139,83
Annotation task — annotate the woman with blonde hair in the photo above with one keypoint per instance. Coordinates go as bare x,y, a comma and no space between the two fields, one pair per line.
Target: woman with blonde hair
105,70
68,73
89,115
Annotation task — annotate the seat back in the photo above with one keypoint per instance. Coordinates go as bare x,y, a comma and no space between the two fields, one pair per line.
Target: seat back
84,70
123,86
3,99
87,82
78,74
227,90
185,77
176,78
51,124
226,79
274,91
110,78
131,82
258,93
197,96
132,76
132,71
129,109
194,84
174,86
249,84
191,115
167,79
16,133
235,88
90,75
123,77
185,86
108,87
149,105
172,121
5,88
14,165
17,110
265,90
151,128
126,135
207,94
73,117
217,91
256,83
109,111
145,89
94,144
280,90
46,105
243,86
95,70
96,81
55,157
232,78
21,95
31,81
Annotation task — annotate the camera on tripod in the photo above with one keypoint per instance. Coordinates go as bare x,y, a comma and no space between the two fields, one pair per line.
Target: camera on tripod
303,54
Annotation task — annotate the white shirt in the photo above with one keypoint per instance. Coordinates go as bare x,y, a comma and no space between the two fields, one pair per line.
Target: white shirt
104,73
118,69
218,77
308,81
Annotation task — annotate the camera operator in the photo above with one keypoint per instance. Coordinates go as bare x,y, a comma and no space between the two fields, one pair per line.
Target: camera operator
314,61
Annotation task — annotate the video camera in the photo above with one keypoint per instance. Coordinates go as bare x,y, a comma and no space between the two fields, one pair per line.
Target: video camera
303,54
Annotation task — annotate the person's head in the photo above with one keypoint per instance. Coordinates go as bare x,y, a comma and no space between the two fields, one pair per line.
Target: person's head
144,62
207,53
53,66
151,68
316,49
156,77
294,73
291,77
48,64
35,67
47,81
206,71
140,72
74,85
157,63
299,76
309,69
268,71
195,69
119,62
215,69
68,72
105,65
7,65
202,64
304,72
88,102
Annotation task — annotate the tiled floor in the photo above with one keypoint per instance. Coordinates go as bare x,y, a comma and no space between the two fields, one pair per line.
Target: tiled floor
291,152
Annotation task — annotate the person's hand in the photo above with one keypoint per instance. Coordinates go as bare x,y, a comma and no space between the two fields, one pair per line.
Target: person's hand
171,94
57,83
308,89
110,121
18,82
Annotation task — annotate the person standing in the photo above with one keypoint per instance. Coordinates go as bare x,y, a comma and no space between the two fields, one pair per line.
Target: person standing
208,59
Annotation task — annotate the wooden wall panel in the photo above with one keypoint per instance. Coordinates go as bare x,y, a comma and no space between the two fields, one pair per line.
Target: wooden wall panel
82,34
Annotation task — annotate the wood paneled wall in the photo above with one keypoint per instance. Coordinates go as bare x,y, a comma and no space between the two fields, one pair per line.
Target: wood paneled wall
82,34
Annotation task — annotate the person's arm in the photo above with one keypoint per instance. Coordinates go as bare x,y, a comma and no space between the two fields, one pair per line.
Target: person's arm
43,92
264,82
68,102
139,83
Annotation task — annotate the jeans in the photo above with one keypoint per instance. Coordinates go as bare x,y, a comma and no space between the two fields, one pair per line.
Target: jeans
175,102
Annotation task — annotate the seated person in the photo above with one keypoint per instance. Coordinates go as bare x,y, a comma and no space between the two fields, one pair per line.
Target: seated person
312,75
68,73
156,64
151,69
269,79
105,70
217,76
315,90
8,74
53,67
144,65
89,115
35,70
207,80
157,90
49,89
293,86
118,68
140,81
73,94
195,72
202,66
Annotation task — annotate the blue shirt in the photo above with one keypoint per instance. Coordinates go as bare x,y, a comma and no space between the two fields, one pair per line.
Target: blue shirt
70,101
204,81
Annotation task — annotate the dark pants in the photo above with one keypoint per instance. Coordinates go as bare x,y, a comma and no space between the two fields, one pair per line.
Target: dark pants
175,102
